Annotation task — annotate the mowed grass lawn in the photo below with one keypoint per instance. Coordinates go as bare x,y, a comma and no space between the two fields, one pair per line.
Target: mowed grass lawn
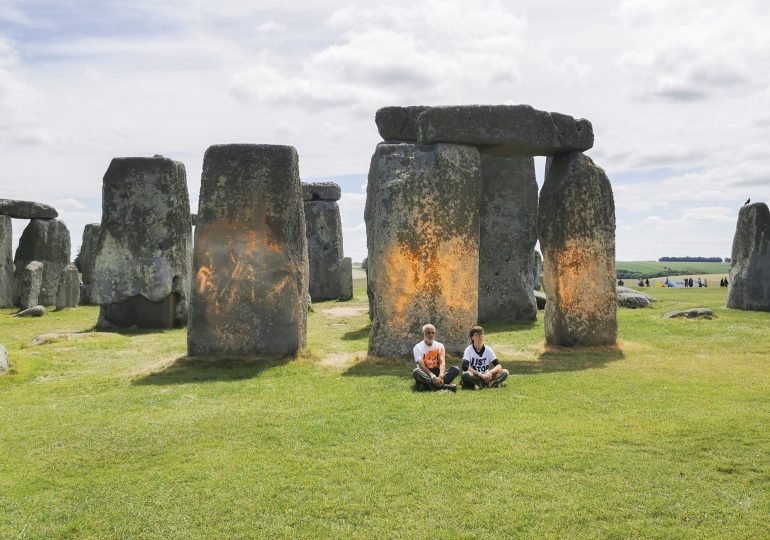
119,436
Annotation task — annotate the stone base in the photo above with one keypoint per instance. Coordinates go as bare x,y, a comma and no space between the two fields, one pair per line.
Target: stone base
140,312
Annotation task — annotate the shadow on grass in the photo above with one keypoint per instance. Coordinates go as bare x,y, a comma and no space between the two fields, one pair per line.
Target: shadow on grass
191,370
128,331
552,360
355,335
557,359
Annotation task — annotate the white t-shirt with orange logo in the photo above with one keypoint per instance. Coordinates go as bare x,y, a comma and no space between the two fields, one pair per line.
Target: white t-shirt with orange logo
429,354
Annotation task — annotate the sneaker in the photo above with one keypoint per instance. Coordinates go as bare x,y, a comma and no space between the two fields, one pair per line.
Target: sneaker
498,381
450,387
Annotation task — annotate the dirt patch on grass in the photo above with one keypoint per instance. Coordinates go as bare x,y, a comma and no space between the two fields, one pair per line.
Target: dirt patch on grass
341,360
344,311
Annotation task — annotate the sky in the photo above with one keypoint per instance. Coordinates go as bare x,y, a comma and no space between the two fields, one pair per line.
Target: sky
677,91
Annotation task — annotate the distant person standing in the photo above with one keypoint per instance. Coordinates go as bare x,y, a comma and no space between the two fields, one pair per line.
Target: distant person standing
647,282
691,283
722,282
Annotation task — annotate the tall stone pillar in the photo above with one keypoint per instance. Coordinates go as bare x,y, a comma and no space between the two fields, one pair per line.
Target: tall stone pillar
6,262
250,263
88,261
141,273
422,229
324,239
508,233
576,227
750,260
46,241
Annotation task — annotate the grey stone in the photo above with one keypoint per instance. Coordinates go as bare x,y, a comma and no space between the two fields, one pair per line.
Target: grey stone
88,261
28,282
46,241
321,191
398,123
324,248
145,243
69,288
694,313
251,266
346,278
505,130
749,287
537,271
6,262
34,311
541,299
576,227
508,232
620,289
633,300
422,229
5,364
27,209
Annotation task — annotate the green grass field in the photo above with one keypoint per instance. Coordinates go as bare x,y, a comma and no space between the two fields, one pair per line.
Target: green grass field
118,435
674,268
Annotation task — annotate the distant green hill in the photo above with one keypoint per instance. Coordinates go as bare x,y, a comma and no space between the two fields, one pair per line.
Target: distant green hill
651,269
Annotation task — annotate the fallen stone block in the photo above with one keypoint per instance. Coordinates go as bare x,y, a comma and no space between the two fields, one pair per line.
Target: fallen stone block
694,313
34,311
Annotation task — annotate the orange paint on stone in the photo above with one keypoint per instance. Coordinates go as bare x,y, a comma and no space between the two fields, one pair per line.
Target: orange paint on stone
580,269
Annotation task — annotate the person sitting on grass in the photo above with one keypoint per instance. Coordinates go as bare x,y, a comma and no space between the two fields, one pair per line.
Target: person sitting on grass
430,357
481,367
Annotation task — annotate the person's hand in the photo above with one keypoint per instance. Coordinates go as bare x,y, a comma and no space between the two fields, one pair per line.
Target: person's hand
438,381
486,377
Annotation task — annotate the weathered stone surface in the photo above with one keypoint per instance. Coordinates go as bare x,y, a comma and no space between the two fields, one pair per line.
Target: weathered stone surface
34,311
398,123
250,291
28,282
69,288
505,130
46,241
633,300
6,262
346,278
750,260
321,191
422,231
694,313
324,248
5,364
508,232
27,209
88,261
576,227
537,270
145,241
541,299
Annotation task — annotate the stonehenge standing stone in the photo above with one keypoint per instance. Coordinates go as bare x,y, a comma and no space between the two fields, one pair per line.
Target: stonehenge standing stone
324,239
69,288
505,130
28,282
88,261
250,289
576,227
46,241
537,271
346,278
6,262
143,255
422,230
508,232
749,287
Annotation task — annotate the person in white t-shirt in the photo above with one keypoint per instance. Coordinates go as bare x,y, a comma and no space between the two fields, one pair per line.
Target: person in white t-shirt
481,368
430,357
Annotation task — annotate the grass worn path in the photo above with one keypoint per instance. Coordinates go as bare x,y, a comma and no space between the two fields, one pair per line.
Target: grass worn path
119,436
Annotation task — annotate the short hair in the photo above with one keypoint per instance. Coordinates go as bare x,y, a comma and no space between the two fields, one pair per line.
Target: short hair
426,326
476,330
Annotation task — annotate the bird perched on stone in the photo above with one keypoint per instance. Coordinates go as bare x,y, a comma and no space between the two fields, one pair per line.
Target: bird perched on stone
747,201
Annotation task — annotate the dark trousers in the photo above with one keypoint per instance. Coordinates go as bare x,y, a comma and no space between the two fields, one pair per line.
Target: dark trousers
423,378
